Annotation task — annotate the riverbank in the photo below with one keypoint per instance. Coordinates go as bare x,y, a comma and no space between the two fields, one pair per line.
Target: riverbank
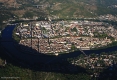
16,37
114,43
34,58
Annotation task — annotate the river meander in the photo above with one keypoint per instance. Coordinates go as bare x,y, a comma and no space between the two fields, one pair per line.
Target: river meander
7,35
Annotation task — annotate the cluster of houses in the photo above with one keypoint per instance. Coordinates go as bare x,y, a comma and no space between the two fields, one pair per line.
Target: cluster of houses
61,36
108,16
96,61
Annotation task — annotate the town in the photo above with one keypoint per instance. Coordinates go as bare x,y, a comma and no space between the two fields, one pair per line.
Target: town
96,62
65,36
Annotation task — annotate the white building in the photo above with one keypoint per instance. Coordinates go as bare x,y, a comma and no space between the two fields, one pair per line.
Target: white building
46,26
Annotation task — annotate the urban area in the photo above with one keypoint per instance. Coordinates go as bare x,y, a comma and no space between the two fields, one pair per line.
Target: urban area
96,63
65,36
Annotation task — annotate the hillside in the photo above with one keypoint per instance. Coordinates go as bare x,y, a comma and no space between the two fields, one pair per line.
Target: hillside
59,8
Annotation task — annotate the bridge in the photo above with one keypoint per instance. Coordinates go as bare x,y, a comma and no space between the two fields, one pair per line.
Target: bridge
82,51
87,57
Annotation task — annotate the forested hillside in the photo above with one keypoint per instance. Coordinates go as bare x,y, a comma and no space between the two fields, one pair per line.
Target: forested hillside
60,8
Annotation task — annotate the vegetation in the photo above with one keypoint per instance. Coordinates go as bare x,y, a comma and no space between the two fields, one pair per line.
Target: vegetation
14,70
27,74
73,48
28,14
98,35
74,29
21,73
102,68
67,9
114,43
15,37
4,16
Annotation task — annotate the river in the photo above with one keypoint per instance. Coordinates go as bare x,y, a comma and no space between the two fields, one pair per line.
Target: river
8,44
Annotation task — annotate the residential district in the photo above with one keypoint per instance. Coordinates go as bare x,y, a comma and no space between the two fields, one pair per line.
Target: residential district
96,63
65,36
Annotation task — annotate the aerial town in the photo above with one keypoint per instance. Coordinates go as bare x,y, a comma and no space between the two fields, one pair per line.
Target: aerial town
96,62
65,36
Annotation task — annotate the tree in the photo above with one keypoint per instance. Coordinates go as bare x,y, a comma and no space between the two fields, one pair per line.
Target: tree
28,14
73,47
74,29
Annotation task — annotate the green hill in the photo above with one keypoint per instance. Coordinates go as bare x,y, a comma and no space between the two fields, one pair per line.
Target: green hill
61,8
77,8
